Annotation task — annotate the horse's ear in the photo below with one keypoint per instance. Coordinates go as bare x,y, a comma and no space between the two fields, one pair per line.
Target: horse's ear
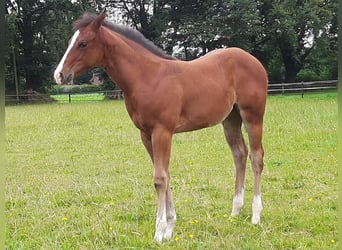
99,20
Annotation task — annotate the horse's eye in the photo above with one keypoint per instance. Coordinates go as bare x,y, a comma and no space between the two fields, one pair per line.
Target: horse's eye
83,45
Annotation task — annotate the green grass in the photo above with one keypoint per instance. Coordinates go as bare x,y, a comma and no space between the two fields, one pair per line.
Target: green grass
78,177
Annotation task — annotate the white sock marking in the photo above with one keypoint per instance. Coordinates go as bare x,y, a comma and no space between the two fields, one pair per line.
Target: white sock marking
170,224
61,63
257,208
161,225
238,202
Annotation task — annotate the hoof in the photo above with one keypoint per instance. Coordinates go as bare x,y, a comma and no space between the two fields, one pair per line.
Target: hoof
255,220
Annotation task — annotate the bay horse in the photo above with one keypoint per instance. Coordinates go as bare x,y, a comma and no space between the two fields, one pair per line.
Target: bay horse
164,96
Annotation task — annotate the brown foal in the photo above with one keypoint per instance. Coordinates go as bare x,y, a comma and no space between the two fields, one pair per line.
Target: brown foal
164,96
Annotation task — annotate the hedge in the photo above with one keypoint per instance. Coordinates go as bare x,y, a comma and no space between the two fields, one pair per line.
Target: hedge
74,89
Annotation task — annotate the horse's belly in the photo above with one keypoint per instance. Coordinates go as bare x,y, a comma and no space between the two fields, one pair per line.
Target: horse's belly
202,117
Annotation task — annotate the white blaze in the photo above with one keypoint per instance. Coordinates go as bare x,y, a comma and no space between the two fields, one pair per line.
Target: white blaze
61,63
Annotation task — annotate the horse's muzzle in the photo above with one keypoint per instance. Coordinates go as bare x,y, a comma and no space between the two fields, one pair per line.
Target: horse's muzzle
60,78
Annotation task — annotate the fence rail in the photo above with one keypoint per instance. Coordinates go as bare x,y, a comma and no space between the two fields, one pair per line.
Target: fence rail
101,95
30,96
275,88
302,87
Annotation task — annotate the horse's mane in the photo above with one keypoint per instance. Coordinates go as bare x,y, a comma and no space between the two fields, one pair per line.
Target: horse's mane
125,31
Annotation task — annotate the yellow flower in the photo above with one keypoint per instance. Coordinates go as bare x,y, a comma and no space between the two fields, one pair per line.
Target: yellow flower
310,199
231,220
225,215
191,236
185,200
64,219
176,238
194,221
110,229
332,241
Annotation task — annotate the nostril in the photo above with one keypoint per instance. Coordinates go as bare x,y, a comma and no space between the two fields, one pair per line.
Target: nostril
60,76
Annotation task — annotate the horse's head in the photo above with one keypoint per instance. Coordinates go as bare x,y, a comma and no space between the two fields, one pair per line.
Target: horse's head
82,53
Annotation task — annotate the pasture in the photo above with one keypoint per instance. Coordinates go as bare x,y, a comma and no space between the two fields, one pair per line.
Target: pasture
78,177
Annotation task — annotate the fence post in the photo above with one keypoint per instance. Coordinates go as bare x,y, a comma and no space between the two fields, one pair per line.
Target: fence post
302,89
69,97
15,76
282,88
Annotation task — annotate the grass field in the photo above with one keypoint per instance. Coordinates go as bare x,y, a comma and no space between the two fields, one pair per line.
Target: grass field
78,177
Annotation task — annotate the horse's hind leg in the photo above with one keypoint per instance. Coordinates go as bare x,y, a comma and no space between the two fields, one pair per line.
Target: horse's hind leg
254,123
232,130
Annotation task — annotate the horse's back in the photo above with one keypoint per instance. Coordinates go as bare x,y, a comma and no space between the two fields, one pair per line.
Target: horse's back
247,63
242,76
250,81
236,70
239,63
246,75
211,85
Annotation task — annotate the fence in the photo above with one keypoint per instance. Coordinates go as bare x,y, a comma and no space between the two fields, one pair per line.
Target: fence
302,87
29,96
94,96
277,88
36,97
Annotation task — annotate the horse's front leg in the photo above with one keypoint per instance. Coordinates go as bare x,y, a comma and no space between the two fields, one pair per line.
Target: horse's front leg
170,214
160,153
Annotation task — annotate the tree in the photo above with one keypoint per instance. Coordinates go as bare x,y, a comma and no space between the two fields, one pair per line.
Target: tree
202,26
38,31
294,29
293,39
147,16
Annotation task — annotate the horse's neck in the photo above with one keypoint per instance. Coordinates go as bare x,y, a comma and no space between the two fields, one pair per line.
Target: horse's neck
129,65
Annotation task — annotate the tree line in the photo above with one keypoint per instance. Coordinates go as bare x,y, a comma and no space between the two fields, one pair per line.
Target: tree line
295,40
